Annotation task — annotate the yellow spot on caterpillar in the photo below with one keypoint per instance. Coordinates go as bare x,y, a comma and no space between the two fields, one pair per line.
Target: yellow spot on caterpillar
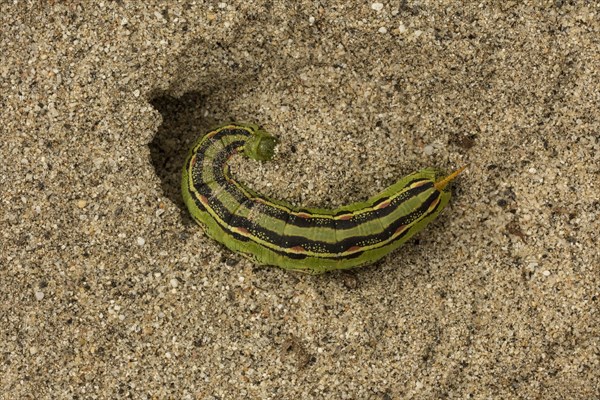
382,205
400,229
242,231
353,249
434,204
298,249
419,183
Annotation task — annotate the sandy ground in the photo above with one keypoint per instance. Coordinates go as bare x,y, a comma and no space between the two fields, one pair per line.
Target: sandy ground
109,290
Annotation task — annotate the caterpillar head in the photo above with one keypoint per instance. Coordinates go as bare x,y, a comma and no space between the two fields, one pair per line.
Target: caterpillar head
261,145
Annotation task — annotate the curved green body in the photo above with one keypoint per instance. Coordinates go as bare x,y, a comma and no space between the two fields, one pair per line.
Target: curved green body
273,232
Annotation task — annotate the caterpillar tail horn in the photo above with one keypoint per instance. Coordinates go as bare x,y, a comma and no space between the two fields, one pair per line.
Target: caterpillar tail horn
442,183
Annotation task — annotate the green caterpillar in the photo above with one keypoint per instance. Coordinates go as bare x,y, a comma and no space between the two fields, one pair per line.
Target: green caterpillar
273,232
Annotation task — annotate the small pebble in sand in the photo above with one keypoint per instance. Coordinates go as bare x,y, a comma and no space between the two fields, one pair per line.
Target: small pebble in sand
141,241
377,6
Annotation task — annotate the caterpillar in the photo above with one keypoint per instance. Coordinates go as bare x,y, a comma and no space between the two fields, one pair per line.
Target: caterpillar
274,232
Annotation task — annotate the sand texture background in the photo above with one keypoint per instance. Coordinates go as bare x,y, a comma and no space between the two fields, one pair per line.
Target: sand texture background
109,290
